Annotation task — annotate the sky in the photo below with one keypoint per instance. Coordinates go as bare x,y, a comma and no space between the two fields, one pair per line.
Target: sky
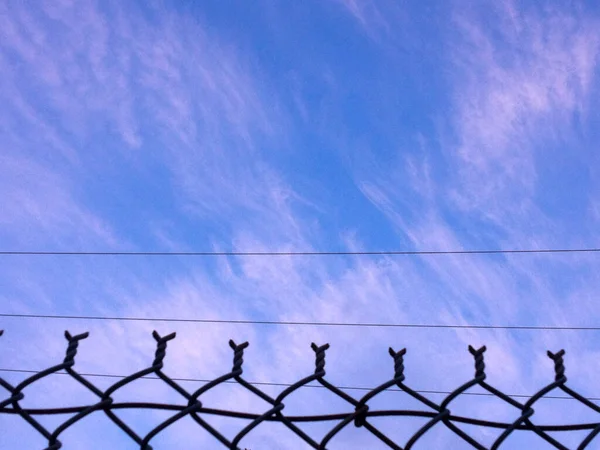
338,125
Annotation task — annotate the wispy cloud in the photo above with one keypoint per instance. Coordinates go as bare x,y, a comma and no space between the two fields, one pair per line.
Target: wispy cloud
39,208
368,14
520,80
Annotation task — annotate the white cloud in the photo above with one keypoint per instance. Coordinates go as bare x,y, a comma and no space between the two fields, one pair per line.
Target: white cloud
518,83
376,19
39,207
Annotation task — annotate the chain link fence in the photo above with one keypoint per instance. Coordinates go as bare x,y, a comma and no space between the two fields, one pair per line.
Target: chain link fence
359,414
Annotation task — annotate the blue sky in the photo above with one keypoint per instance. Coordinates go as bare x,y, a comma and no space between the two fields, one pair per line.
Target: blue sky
276,126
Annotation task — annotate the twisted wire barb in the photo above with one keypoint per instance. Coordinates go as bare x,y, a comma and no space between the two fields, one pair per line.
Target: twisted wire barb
360,416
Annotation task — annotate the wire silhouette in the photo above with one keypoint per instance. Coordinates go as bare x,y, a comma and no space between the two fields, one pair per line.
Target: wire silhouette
302,323
317,386
301,253
360,414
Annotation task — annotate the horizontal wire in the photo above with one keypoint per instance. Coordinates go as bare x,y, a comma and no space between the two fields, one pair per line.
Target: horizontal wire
300,253
302,323
265,383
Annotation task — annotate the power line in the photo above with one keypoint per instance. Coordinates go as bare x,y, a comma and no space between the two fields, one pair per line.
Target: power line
317,386
301,253
302,323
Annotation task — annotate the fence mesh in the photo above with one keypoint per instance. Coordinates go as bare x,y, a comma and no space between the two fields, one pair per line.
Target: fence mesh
360,415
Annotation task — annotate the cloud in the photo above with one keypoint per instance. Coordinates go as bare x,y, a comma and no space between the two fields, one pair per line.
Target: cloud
165,86
520,80
63,54
517,79
39,208
378,20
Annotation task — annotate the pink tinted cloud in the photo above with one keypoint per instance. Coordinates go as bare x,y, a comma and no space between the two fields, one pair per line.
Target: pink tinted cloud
39,207
197,96
513,92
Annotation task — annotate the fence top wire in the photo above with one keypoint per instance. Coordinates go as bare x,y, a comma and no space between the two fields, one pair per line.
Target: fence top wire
437,414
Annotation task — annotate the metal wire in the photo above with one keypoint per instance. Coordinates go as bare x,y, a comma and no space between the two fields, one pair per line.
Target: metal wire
302,253
304,323
360,415
316,386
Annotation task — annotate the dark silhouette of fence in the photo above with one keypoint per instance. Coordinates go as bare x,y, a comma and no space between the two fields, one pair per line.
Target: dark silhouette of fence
438,414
